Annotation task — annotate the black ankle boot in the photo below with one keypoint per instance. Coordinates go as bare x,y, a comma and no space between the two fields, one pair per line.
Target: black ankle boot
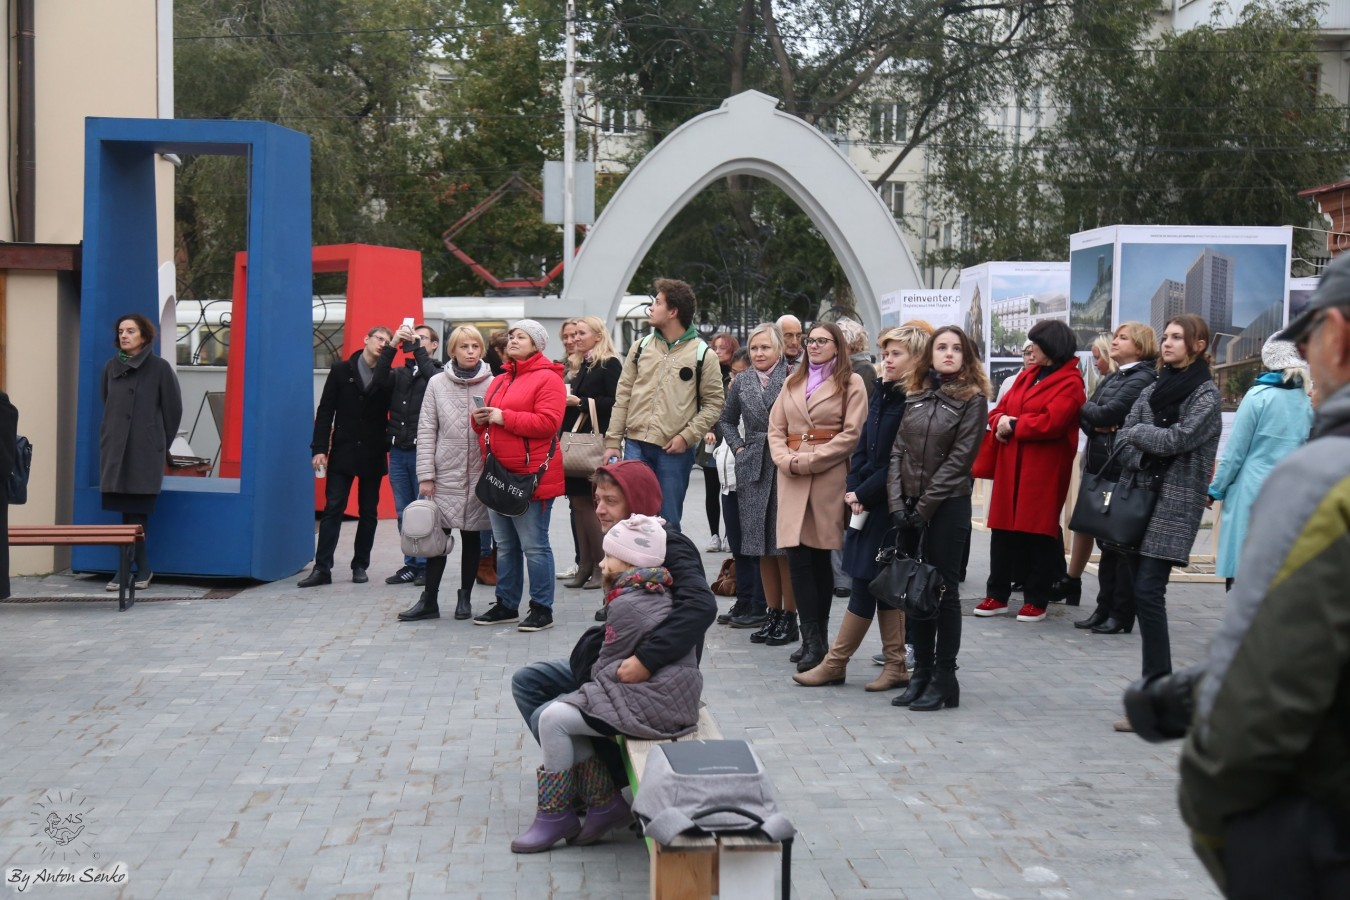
1098,617
425,608
918,683
813,646
767,628
941,691
463,609
786,632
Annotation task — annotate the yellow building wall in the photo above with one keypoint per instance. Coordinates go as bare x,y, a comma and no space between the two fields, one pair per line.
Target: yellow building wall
91,58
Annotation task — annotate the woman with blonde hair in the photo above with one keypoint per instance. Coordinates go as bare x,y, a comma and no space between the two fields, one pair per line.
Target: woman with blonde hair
902,349
449,461
1132,349
744,428
813,428
595,378
1272,421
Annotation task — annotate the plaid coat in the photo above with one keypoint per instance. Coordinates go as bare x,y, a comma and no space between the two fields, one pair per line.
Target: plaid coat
1188,448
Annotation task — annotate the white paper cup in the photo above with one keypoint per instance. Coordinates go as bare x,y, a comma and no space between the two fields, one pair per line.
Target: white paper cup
857,520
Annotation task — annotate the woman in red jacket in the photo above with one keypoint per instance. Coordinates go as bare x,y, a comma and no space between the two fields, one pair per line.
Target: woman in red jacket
1036,437
519,422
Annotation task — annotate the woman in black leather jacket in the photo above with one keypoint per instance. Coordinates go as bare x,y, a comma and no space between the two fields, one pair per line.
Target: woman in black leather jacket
1134,347
929,484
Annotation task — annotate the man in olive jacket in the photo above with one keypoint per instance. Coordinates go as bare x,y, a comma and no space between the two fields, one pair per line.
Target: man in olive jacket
669,396
349,445
1265,772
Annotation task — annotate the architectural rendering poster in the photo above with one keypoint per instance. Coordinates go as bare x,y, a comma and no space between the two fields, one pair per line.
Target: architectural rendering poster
1003,370
1236,279
1015,296
1092,263
1300,295
889,304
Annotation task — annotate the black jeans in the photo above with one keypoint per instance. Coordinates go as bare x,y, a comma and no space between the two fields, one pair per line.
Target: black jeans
1115,574
330,526
812,582
938,640
1150,601
1036,560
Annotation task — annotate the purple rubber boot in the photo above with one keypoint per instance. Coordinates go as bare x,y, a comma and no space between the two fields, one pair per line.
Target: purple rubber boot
555,821
606,809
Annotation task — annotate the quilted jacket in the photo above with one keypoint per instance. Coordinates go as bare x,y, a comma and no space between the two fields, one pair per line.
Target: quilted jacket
448,450
663,706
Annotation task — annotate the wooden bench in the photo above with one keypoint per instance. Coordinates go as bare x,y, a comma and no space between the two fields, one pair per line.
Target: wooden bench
695,867
125,537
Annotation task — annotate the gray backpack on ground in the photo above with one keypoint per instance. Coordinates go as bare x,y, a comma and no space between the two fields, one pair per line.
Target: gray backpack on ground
712,786
422,534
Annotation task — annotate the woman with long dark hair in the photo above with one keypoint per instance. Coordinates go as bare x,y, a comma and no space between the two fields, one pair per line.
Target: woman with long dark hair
1036,432
1171,437
142,407
813,428
929,486
902,349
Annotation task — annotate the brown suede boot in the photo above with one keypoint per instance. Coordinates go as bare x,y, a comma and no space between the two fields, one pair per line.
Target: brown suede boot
831,669
893,674
487,569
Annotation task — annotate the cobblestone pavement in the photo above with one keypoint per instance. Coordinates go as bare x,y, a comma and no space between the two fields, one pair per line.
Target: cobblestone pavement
282,743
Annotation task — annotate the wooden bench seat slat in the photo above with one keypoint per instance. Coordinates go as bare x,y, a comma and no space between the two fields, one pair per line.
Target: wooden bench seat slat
124,536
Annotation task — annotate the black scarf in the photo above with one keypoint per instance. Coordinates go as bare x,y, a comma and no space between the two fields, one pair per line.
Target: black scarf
1172,389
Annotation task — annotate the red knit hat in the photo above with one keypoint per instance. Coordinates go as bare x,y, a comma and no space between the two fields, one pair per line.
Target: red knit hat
638,482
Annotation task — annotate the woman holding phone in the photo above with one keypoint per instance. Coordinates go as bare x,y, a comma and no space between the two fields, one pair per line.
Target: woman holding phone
449,461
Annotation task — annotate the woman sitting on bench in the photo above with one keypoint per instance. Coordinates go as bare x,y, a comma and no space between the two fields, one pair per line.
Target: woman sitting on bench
663,706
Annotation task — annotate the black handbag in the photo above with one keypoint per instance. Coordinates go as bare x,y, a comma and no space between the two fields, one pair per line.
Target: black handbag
907,583
1117,513
506,492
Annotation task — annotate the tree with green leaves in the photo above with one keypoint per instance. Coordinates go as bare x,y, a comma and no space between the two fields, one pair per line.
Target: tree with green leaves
1213,126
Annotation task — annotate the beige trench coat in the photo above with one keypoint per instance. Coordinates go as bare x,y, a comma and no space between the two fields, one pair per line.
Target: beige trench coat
811,510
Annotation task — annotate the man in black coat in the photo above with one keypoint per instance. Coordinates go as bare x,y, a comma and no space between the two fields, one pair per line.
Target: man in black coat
349,445
621,489
405,408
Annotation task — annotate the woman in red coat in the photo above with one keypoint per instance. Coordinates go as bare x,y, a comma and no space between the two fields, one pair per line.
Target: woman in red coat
1036,437
520,420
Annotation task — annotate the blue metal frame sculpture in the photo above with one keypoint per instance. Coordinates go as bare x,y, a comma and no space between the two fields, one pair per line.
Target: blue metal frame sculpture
260,525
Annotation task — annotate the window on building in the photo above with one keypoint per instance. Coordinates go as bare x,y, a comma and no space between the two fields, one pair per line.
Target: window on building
887,121
616,117
893,192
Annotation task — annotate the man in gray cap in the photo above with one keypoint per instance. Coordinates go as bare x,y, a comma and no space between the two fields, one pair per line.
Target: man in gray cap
1265,773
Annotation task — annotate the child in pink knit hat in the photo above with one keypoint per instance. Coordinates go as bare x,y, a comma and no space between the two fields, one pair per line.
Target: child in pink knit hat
663,706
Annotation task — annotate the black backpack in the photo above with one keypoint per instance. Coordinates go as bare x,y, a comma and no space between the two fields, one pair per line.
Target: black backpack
18,476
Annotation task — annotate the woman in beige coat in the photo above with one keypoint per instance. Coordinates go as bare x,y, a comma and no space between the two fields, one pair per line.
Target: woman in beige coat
813,428
449,461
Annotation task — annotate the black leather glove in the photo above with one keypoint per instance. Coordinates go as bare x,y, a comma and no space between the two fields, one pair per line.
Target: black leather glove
907,520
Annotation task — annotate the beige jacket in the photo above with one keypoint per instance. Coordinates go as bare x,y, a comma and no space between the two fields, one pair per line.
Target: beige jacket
448,450
656,398
811,510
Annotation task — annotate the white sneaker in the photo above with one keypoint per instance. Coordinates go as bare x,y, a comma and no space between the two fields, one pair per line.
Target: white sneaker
567,574
715,545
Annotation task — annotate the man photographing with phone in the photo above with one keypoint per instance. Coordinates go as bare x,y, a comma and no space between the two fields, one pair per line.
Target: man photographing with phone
405,406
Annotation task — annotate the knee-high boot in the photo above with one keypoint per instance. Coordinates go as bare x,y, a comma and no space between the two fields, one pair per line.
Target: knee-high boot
891,623
832,668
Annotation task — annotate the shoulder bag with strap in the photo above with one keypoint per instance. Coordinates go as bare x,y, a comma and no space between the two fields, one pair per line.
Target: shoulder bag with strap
583,451
506,492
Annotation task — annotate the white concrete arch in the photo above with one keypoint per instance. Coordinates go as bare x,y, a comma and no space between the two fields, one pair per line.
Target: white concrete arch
747,135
